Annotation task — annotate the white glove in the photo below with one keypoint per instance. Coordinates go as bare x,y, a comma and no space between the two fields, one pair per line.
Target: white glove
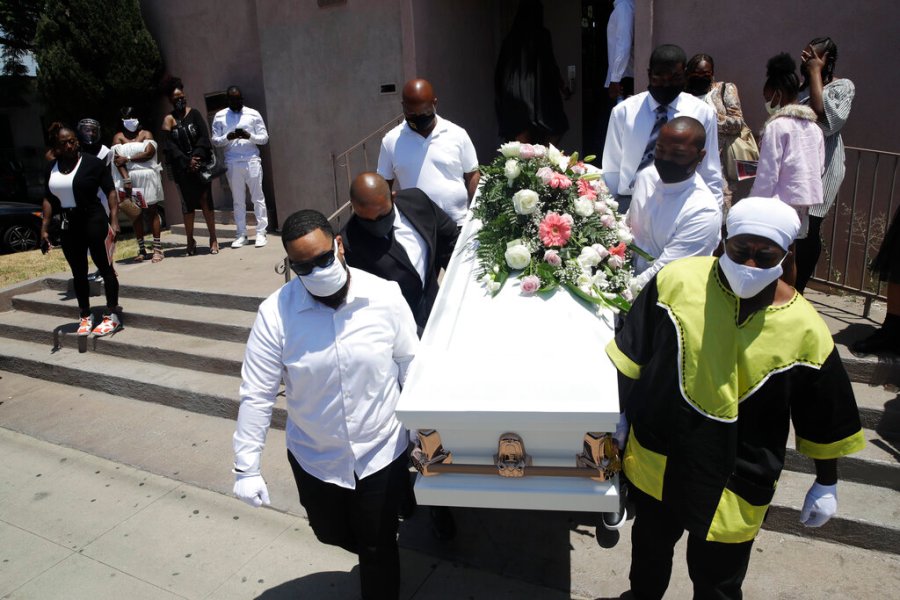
820,505
251,488
621,433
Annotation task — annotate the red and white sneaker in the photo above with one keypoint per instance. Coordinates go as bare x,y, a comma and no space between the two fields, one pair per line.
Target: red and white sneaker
86,325
109,324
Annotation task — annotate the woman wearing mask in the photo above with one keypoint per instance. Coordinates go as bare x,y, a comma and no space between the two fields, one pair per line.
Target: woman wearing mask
188,149
71,191
830,98
723,97
791,151
136,167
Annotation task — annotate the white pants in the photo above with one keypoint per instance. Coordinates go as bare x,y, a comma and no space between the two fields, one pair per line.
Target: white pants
242,175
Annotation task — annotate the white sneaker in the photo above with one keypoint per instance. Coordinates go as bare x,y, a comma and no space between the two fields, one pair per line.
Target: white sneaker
241,241
261,240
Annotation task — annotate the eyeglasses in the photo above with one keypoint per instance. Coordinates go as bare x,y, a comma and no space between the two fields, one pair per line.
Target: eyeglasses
321,261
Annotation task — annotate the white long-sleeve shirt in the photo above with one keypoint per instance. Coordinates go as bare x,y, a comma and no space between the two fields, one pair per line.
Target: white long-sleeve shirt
619,46
671,221
237,150
629,129
342,370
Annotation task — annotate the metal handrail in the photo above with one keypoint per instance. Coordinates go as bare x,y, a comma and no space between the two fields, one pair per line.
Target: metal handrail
343,162
848,227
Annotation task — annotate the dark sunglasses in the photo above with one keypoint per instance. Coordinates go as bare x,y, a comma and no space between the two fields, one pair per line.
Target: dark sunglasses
321,261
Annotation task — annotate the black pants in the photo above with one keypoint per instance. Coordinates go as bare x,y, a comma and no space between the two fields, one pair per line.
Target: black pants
807,252
362,521
716,569
87,231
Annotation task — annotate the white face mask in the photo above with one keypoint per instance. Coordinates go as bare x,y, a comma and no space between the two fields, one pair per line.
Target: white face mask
130,124
773,109
745,281
325,281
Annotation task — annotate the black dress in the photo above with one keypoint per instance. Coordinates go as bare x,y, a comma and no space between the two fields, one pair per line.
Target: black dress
887,264
189,137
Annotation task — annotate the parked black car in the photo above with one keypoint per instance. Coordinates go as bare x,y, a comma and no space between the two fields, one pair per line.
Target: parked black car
20,226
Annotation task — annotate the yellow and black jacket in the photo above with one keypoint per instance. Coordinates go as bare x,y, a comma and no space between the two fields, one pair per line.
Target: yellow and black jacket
712,401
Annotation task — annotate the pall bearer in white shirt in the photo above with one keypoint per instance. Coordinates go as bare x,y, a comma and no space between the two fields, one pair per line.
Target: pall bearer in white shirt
240,129
342,341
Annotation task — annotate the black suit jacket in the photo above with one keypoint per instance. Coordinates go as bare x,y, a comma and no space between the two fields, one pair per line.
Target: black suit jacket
384,257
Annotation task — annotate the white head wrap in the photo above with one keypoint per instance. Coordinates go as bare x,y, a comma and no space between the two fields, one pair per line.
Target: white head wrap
767,217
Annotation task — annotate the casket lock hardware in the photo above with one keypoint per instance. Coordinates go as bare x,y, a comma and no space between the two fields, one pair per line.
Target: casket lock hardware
598,460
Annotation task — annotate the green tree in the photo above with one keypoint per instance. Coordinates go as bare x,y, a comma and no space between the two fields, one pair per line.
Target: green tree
95,56
18,24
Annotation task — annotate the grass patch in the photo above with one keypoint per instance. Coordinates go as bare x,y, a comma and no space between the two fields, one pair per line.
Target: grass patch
22,266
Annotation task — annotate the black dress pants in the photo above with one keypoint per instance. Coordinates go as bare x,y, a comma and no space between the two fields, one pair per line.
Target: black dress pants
716,569
87,231
362,521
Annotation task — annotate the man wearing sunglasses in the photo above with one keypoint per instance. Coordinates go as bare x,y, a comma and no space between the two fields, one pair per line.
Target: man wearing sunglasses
341,340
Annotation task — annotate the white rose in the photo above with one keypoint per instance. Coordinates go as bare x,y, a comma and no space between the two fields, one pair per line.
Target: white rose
568,219
584,206
512,169
492,286
517,257
557,158
525,201
510,149
588,257
612,204
625,234
599,280
600,207
615,262
601,250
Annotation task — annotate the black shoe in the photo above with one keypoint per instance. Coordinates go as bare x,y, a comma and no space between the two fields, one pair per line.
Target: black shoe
880,342
443,525
614,520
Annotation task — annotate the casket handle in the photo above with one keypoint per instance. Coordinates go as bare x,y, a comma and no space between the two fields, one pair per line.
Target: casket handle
511,458
429,452
601,453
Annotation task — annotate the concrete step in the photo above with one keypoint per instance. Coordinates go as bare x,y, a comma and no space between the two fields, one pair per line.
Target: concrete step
209,321
868,516
184,388
879,408
872,369
158,347
63,283
878,464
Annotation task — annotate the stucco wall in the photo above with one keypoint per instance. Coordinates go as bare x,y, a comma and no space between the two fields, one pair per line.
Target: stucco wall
741,39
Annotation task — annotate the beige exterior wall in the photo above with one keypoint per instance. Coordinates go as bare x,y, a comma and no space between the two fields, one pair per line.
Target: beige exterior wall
316,73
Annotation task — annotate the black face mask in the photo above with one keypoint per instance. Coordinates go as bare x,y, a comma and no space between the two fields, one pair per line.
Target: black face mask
236,105
420,122
697,86
671,172
380,227
664,94
180,104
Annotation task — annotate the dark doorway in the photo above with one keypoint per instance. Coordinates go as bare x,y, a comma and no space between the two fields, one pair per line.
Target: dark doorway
596,105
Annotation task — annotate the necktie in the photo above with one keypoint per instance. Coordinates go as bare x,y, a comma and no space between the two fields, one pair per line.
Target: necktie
650,149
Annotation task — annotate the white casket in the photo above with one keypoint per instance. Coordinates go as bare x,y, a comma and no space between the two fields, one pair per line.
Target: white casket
533,366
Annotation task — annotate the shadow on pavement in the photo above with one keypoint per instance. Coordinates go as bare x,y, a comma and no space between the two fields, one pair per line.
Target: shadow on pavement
328,584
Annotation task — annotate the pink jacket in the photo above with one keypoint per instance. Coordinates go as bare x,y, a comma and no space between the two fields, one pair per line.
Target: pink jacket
791,158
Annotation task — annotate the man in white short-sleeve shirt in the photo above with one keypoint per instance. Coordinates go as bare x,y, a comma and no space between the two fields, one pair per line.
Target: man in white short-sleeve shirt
430,153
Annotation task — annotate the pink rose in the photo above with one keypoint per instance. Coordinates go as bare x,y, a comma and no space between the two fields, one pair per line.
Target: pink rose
608,220
554,230
600,207
615,261
546,174
552,258
558,180
568,219
530,284
526,151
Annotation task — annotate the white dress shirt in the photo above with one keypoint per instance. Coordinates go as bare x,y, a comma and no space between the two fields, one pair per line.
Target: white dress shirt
239,149
413,243
629,129
342,370
435,164
619,36
671,221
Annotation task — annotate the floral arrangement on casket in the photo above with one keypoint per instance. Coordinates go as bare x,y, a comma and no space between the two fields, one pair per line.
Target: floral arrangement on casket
551,218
